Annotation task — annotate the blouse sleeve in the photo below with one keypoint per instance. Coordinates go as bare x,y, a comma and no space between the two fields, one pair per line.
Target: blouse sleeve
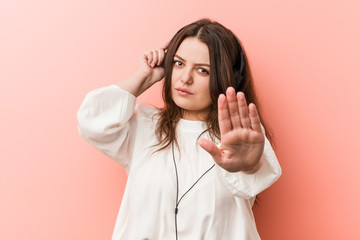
103,121
247,186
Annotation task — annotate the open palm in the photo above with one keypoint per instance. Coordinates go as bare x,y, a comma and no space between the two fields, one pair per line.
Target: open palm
242,139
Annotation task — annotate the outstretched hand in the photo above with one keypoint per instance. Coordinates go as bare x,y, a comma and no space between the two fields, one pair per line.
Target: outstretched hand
242,139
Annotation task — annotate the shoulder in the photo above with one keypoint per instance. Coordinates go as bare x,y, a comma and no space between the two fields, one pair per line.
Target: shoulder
146,109
141,110
146,113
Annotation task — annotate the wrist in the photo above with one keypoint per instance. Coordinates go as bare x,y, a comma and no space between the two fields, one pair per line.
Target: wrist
135,84
254,168
143,82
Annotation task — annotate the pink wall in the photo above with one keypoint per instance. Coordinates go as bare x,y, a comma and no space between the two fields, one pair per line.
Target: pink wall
305,58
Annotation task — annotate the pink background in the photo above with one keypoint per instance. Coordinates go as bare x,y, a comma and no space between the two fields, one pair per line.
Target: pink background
305,60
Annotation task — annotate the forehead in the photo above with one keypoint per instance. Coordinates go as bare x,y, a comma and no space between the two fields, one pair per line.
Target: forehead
193,50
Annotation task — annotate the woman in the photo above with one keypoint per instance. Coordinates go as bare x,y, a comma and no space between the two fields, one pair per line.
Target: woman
196,165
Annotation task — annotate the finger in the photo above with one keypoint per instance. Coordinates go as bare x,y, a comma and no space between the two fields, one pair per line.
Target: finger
255,118
149,57
233,108
211,148
243,109
223,115
155,58
166,45
161,54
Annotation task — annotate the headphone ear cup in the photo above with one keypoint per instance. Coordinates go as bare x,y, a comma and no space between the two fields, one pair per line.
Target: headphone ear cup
238,79
239,70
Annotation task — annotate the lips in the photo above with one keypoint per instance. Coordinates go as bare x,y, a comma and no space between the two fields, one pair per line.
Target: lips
183,91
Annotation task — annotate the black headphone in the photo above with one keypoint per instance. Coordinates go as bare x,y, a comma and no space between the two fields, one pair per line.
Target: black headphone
238,71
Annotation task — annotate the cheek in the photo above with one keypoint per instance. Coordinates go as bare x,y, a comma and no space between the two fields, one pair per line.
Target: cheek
205,90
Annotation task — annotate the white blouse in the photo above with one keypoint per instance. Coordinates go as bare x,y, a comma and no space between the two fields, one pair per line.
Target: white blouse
219,206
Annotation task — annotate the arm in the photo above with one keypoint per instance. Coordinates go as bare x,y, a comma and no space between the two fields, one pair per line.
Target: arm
104,117
104,121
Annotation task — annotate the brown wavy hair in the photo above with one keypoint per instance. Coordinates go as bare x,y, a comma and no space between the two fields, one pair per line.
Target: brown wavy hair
224,70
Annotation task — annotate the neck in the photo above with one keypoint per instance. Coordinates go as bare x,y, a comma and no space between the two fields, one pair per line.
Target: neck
195,116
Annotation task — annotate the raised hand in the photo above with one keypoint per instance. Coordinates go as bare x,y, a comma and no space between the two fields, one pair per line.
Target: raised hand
242,139
150,65
149,72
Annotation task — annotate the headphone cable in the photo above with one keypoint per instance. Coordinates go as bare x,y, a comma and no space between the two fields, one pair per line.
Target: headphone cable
177,177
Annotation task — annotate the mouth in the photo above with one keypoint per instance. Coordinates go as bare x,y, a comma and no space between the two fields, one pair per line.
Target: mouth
183,91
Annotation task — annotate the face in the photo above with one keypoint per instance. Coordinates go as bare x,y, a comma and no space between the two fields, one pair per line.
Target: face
190,79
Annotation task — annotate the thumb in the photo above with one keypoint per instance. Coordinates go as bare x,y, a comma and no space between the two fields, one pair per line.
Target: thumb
211,148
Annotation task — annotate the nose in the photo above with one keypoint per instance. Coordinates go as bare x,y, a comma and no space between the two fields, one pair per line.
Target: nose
186,76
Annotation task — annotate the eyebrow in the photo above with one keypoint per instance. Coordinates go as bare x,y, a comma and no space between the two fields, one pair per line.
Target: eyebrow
197,64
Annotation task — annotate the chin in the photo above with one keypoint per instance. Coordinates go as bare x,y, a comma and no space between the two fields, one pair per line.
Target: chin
183,103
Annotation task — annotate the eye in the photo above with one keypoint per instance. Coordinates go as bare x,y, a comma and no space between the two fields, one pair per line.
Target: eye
178,63
203,71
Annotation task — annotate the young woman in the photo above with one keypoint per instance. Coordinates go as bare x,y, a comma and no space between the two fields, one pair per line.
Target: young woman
196,165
